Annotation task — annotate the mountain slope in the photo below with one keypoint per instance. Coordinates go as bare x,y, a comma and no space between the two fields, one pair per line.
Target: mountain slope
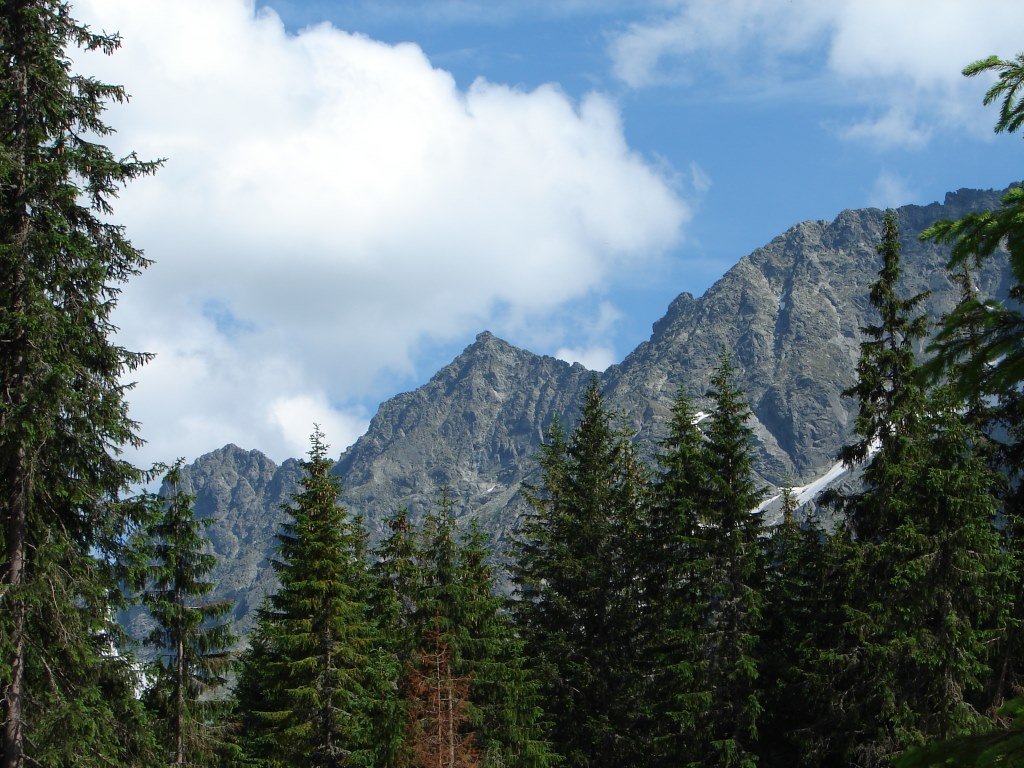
473,428
789,314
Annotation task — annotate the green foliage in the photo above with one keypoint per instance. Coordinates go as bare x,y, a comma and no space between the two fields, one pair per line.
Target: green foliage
1009,87
989,358
320,674
1002,747
889,397
191,638
578,583
980,349
992,359
796,626
672,598
930,574
722,705
63,417
437,589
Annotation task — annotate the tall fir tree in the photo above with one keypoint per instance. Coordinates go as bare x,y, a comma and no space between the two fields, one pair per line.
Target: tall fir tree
192,637
398,576
979,348
63,417
723,702
927,558
439,587
505,707
672,596
322,675
806,588
577,583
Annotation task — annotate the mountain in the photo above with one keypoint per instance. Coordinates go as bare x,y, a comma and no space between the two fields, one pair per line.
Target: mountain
789,314
244,491
474,428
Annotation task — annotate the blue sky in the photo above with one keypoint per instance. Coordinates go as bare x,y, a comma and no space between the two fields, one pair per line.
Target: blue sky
355,189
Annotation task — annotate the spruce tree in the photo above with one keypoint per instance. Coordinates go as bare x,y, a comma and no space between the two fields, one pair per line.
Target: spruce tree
505,706
578,581
723,701
63,417
672,595
979,348
192,639
929,570
323,674
994,360
805,590
442,593
398,577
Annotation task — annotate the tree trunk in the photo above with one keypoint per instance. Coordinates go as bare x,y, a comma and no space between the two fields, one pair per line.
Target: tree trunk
17,478
179,701
13,582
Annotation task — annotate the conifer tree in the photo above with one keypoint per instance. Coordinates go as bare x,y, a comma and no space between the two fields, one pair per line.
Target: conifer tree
398,577
802,610
993,360
673,597
252,697
397,569
979,347
192,639
723,702
577,585
443,591
1008,650
323,675
505,707
928,564
438,730
63,417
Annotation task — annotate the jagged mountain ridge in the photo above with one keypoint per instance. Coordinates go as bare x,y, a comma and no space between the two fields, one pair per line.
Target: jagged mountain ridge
789,314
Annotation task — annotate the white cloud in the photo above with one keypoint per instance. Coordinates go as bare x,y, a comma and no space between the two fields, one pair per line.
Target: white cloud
699,179
294,415
890,191
904,57
896,128
717,34
594,355
330,202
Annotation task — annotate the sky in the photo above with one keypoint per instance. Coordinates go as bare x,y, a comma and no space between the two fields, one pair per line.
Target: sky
352,190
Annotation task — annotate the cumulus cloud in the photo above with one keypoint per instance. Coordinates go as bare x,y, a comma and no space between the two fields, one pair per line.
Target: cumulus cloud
906,56
331,202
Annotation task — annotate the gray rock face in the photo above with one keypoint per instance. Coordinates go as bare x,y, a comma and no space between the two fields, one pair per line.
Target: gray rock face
245,493
473,428
790,315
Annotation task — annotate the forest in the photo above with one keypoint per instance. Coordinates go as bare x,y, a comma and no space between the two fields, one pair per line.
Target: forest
655,620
